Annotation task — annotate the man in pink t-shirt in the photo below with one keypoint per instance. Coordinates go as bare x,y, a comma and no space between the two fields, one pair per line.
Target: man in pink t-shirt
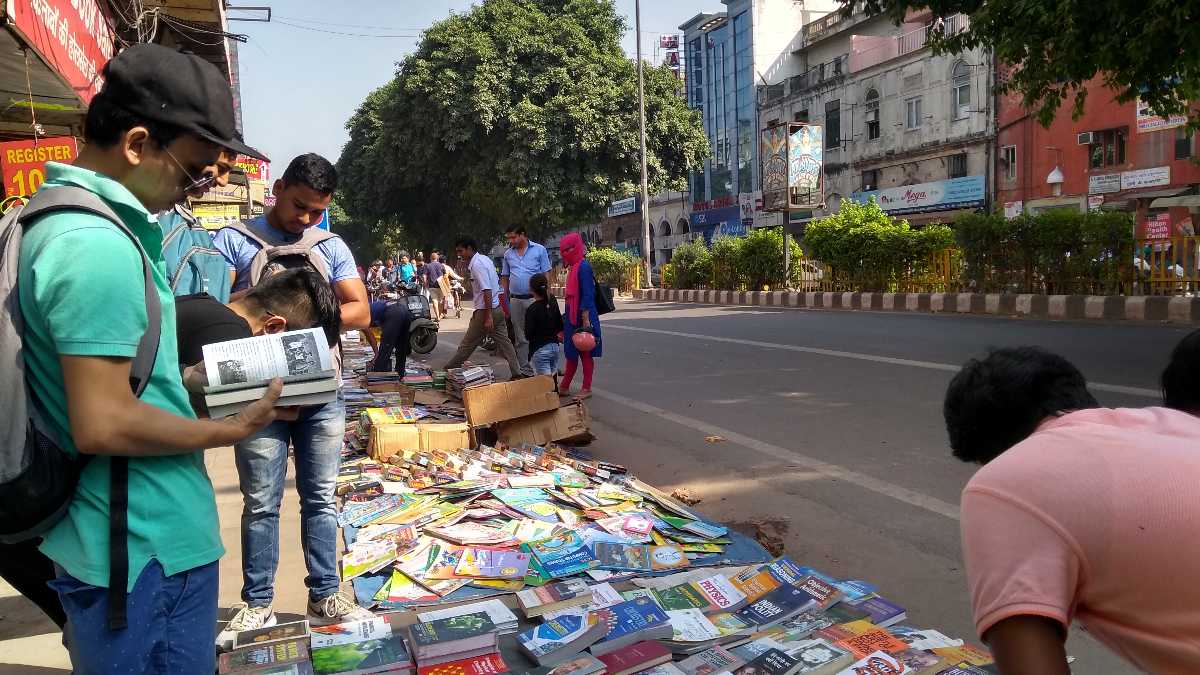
1080,513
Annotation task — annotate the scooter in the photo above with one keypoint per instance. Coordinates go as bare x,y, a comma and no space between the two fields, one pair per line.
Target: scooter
423,333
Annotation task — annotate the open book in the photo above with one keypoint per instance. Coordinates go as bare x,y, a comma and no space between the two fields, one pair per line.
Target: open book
240,370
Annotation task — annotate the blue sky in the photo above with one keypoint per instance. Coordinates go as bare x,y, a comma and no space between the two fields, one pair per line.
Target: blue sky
301,81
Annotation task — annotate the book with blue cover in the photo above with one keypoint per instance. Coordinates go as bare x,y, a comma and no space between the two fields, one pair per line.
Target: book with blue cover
852,590
562,555
558,640
781,603
632,621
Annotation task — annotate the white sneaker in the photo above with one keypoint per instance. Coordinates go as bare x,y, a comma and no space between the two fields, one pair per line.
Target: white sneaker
245,617
337,608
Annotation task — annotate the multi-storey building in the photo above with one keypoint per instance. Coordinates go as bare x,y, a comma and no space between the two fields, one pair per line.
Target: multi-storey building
909,127
1117,156
727,55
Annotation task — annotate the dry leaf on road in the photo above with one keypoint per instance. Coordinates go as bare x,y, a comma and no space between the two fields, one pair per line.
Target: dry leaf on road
714,439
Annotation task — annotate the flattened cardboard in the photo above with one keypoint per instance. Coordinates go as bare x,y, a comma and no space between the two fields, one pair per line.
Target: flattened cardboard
569,421
509,400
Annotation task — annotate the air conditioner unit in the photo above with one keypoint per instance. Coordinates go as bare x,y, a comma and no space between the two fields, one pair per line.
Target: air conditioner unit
1085,138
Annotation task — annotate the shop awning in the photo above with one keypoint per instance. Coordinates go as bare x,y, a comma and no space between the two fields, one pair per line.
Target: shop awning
1189,201
57,106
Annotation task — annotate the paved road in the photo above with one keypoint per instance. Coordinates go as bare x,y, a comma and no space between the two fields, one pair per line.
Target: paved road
833,428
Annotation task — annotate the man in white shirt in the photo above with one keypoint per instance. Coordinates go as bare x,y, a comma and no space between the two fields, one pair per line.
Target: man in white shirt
488,318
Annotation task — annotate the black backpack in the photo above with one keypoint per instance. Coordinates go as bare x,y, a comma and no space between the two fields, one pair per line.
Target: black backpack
38,479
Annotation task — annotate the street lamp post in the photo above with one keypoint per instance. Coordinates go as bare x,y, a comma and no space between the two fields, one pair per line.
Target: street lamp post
637,12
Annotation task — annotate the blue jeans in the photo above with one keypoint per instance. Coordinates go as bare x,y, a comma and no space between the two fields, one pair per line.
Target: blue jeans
172,623
545,359
262,468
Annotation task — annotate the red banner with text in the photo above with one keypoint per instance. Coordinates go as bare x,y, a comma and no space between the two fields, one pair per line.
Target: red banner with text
72,36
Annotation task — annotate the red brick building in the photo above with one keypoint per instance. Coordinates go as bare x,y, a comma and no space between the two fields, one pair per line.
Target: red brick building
1115,156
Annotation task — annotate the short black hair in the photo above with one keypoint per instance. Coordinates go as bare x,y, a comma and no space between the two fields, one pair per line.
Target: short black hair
515,229
107,122
466,242
998,401
303,298
314,171
1181,378
538,284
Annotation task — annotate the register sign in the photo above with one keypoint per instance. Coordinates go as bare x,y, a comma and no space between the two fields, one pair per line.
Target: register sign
24,162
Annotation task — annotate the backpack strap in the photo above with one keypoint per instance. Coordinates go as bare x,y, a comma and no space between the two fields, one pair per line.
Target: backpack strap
75,199
187,222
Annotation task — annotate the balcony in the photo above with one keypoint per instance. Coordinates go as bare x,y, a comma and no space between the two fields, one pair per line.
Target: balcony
818,75
917,39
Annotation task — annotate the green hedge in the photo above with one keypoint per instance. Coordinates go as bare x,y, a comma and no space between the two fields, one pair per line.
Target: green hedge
613,267
869,250
1056,251
753,262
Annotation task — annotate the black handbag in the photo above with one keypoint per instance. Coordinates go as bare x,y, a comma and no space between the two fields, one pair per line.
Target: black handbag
604,299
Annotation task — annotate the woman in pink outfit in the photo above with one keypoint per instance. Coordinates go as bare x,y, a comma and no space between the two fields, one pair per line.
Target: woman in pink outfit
581,314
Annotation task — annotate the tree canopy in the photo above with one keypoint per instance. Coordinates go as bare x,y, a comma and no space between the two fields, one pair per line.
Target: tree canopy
1138,48
515,112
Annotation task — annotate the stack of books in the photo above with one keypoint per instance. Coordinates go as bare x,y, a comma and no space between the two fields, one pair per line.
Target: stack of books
360,647
459,380
456,642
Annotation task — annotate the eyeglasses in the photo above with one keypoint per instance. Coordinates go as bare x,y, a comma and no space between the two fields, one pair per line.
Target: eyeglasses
197,184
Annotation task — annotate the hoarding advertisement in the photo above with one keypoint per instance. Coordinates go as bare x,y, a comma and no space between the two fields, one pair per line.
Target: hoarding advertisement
805,158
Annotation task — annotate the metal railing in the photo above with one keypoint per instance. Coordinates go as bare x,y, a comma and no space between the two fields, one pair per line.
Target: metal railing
914,40
1169,266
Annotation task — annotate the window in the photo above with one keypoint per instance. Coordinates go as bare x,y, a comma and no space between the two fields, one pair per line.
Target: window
1108,148
912,113
870,180
664,229
833,124
961,82
872,106
1008,161
1183,143
801,116
620,235
682,226
956,165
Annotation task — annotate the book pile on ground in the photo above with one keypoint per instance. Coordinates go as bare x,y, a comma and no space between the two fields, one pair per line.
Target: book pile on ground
454,638
360,647
459,380
418,377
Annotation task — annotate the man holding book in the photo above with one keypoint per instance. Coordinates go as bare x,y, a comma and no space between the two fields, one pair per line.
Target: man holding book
302,196
1080,513
138,584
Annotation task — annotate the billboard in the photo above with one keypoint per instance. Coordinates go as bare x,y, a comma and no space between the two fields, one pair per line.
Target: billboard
668,42
72,36
792,158
805,159
942,195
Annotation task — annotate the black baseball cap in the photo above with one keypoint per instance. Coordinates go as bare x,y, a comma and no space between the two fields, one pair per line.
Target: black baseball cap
171,87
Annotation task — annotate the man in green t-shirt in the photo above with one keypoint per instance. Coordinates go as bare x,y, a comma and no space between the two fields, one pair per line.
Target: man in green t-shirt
152,133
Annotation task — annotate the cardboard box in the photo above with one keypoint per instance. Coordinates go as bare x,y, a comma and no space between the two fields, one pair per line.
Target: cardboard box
391,439
510,400
565,423
449,437
407,394
388,440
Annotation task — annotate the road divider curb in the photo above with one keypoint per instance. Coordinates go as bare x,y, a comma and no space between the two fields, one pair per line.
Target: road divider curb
1094,307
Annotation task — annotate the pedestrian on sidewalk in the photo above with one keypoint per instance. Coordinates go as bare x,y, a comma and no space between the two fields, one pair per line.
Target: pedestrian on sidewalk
408,271
522,259
302,196
1080,513
144,600
488,318
544,324
436,282
582,317
1181,378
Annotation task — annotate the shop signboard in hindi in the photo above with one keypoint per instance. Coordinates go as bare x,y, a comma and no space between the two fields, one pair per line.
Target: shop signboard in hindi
1147,121
24,162
1144,178
255,169
1104,183
805,159
73,36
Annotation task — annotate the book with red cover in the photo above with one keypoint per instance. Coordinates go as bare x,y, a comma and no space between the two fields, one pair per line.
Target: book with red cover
635,658
480,665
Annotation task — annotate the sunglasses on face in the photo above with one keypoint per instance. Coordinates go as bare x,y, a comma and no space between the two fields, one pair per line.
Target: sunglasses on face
195,184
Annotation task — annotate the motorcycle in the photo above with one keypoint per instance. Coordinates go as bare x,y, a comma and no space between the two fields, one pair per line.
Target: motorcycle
423,333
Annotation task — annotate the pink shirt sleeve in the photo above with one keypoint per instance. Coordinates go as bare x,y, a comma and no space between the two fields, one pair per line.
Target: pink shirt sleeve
1017,561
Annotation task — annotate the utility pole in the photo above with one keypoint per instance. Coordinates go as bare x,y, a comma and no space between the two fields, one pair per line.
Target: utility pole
637,12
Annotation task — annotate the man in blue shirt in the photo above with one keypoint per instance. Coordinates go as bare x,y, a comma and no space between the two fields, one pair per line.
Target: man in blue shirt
522,260
302,196
408,271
